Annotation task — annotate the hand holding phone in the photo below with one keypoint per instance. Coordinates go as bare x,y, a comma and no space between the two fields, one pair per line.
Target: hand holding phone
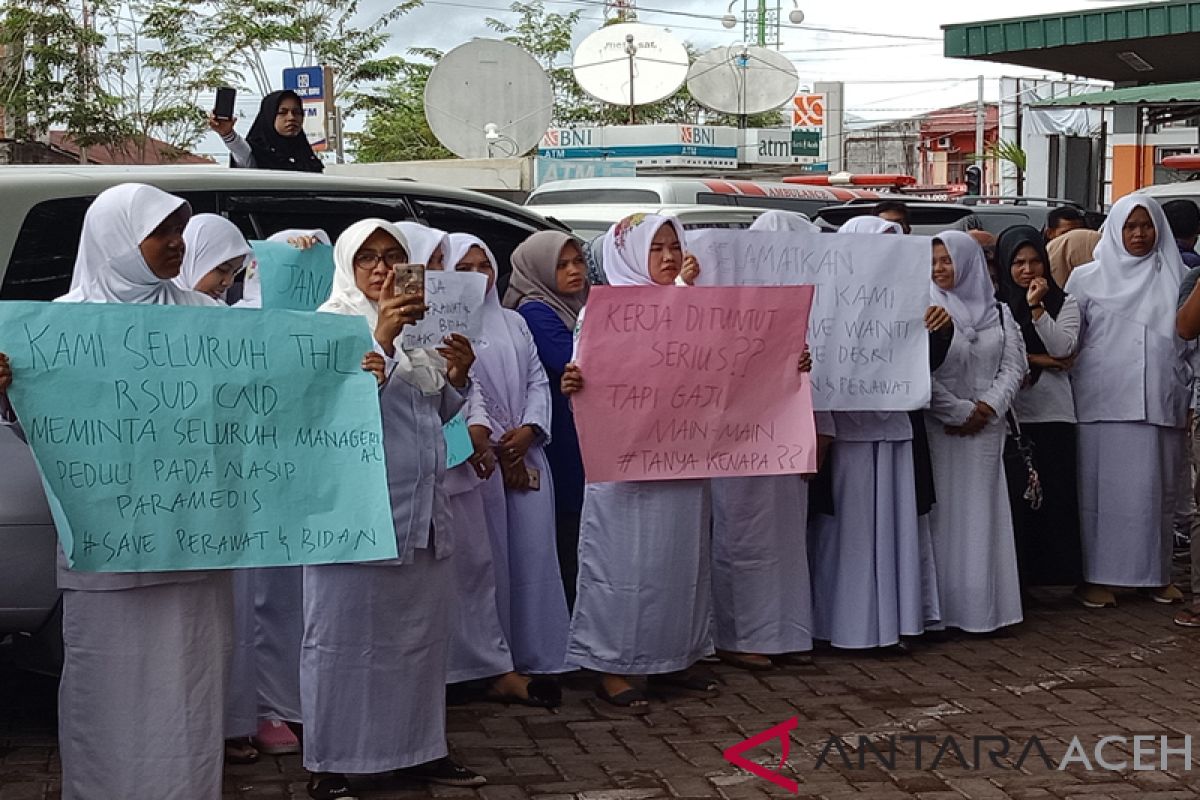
223,108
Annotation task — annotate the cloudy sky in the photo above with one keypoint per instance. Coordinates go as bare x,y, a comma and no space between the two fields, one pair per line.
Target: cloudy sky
888,52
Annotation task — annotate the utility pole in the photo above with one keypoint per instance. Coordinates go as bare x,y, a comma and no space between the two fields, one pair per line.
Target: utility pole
980,120
762,23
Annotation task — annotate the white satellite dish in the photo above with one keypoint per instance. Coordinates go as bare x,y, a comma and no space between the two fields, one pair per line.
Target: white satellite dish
488,99
630,64
742,79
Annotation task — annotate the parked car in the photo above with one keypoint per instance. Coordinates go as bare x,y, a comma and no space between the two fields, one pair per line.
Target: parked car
694,191
988,213
1165,193
587,221
39,236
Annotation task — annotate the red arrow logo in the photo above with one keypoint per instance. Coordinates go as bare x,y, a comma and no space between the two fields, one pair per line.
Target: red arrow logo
734,754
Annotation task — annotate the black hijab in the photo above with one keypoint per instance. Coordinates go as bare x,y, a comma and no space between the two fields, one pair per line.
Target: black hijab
1011,241
271,149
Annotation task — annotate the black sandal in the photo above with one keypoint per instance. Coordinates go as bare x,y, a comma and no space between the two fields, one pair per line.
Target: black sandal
240,750
687,681
632,699
539,693
330,786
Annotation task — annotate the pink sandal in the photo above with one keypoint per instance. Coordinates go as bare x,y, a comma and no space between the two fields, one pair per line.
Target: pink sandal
275,738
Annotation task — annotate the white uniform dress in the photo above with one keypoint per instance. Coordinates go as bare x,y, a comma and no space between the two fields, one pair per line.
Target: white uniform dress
373,659
971,523
140,705
478,647
761,591
1132,384
516,392
870,580
643,604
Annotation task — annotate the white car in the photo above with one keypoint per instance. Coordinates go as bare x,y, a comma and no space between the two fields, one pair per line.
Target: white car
588,221
39,236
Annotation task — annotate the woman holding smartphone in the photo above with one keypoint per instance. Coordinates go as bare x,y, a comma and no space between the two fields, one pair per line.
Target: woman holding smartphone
373,662
276,139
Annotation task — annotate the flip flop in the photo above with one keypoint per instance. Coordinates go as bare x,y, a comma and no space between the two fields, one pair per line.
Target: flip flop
1188,617
540,693
240,751
748,661
687,681
632,698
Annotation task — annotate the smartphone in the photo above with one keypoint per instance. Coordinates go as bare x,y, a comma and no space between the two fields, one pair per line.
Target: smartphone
535,478
410,279
223,109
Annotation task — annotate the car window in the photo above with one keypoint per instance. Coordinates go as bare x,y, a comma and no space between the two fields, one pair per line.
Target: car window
260,214
43,256
501,232
806,207
575,196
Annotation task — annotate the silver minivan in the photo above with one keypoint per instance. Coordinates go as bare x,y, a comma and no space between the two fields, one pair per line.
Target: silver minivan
39,236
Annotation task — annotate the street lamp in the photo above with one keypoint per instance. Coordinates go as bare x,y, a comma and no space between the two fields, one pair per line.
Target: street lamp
759,18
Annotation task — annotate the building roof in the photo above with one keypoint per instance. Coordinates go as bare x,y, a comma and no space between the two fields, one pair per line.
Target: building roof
1162,94
1145,43
155,151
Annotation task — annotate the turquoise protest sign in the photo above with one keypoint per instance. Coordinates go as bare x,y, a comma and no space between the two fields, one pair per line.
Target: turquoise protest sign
292,278
175,438
458,440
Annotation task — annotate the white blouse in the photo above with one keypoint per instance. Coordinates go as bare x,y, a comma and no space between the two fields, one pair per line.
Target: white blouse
1051,399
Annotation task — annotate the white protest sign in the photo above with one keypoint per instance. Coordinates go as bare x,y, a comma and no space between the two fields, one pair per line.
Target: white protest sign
867,334
455,301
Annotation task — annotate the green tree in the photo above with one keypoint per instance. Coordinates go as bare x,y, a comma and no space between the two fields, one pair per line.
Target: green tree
396,128
327,32
158,64
49,73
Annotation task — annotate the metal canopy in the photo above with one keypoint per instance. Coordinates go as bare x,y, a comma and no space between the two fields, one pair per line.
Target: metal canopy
1150,42
1164,94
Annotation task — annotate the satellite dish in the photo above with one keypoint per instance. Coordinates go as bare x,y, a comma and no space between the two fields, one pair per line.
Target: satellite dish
488,99
630,64
742,80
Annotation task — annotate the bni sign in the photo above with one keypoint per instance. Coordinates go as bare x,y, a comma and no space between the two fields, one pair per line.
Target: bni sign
309,83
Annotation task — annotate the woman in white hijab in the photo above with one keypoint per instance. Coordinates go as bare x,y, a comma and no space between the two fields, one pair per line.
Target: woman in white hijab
872,581
216,254
1131,381
776,220
373,662
480,662
143,680
973,389
643,603
761,588
516,395
264,672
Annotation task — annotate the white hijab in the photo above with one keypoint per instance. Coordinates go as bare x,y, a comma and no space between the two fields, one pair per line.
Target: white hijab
421,368
497,361
424,241
869,224
1142,289
211,241
775,220
252,285
972,301
109,267
626,252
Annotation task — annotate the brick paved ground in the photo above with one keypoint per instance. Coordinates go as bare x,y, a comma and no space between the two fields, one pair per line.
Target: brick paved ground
1065,672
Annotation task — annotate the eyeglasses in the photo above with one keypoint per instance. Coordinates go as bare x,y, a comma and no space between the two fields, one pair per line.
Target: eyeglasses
289,112
366,259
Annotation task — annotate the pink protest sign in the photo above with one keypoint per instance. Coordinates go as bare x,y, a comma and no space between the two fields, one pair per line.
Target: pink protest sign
694,382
